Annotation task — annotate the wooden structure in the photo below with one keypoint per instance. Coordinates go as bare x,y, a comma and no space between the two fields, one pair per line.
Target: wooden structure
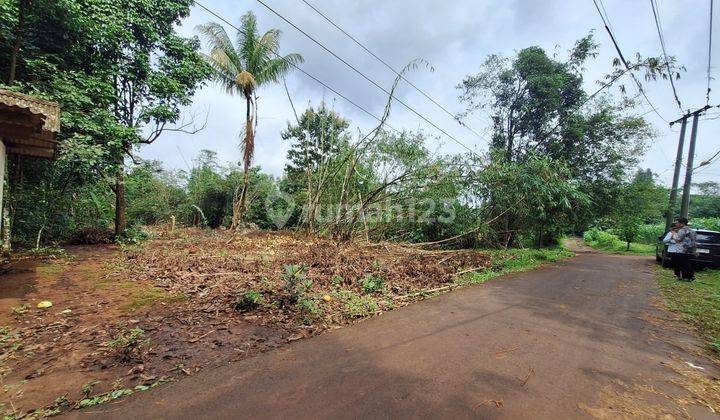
28,126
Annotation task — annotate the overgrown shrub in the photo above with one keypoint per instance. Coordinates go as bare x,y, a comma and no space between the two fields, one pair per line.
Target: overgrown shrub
600,238
709,223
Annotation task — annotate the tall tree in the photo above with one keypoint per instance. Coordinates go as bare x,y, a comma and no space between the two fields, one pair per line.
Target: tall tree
539,108
319,135
242,68
155,72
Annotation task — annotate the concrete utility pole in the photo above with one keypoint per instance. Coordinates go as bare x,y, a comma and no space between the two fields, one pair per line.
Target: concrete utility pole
676,176
685,206
685,203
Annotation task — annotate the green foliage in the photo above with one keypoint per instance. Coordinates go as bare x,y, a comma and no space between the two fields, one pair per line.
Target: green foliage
709,223
372,283
296,284
88,387
134,235
310,309
507,261
242,68
609,242
249,300
707,202
318,136
103,398
698,302
536,199
649,233
356,306
120,74
638,202
153,194
600,238
540,110
129,345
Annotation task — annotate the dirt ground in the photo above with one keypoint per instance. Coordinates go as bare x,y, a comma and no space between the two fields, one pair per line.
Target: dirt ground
582,338
126,319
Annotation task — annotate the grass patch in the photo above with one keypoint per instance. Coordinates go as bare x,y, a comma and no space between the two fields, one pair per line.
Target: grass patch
141,295
49,271
698,302
149,297
608,242
620,247
508,261
356,306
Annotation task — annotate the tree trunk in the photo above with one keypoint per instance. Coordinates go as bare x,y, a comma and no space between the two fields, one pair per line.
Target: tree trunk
6,227
22,7
120,223
239,208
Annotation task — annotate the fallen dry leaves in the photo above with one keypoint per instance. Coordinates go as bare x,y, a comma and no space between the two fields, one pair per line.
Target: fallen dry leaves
180,290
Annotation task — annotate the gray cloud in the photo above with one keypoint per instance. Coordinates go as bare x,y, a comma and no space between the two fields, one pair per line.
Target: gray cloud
455,37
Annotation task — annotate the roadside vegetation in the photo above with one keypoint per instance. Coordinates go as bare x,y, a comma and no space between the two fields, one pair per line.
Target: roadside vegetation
180,270
698,302
609,242
515,261
190,299
644,240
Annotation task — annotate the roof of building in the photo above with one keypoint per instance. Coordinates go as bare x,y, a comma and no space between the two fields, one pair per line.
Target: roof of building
28,124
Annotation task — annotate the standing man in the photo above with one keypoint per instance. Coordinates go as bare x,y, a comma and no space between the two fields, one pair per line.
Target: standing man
686,239
673,251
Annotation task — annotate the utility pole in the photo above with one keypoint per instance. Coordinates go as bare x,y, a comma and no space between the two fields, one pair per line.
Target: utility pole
676,176
685,206
685,203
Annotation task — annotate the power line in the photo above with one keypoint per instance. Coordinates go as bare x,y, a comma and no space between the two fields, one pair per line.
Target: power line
707,162
622,58
709,52
656,14
363,75
361,45
606,15
301,70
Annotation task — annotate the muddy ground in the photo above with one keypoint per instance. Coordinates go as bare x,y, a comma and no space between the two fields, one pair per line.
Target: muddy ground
126,319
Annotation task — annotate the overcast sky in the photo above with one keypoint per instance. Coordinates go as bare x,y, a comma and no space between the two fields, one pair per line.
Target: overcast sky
454,36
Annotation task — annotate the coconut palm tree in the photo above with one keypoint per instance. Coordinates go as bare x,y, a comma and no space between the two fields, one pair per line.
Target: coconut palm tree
242,68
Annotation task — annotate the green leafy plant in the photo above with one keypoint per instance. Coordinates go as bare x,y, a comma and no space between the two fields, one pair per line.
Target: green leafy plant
134,235
309,307
372,283
103,398
129,345
242,69
88,387
296,284
249,300
337,280
356,306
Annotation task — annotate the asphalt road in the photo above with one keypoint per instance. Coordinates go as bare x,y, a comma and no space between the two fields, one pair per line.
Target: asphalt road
565,341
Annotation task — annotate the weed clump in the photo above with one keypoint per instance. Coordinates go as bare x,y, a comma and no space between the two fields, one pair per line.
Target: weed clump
129,345
248,301
296,284
372,283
